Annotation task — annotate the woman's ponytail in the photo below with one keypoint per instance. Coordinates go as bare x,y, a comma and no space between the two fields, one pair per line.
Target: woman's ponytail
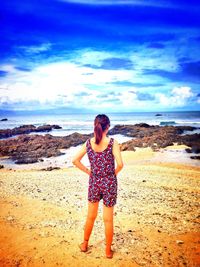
98,133
101,123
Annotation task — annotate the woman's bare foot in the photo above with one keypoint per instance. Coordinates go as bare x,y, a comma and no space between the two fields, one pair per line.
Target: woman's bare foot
84,246
109,254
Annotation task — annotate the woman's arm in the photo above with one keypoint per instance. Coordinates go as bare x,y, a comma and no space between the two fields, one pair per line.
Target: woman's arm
77,159
118,157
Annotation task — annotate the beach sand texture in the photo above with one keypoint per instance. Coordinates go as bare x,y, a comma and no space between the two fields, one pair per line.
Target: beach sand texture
156,218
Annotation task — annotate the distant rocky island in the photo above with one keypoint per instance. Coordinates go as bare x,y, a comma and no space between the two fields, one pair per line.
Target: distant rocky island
25,148
5,119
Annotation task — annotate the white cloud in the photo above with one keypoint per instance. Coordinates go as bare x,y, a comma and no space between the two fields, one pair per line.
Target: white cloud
36,49
91,56
178,97
42,83
182,92
63,84
47,83
48,80
7,67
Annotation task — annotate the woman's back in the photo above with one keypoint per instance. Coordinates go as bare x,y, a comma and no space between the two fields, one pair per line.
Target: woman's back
101,161
101,146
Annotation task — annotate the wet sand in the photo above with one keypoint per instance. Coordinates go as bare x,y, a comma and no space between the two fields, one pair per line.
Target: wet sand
156,218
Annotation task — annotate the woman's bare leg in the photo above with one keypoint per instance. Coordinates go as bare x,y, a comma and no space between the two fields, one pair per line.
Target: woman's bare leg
91,216
108,222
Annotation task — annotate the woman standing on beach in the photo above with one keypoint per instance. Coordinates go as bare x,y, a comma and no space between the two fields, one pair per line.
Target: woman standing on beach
102,153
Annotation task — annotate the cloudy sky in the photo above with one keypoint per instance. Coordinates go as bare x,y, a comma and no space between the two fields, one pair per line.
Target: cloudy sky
131,55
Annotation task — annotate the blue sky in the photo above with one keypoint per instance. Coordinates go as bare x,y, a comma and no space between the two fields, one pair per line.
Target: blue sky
131,55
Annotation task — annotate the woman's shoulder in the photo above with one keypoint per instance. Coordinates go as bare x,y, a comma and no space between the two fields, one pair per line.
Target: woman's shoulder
114,141
91,140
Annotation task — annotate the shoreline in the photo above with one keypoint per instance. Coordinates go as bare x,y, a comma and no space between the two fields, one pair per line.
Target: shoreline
171,154
36,151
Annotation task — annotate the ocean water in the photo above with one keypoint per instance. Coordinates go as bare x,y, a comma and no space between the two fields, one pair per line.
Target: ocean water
83,123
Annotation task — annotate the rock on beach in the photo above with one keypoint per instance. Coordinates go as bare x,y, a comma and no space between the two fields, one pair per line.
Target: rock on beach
27,149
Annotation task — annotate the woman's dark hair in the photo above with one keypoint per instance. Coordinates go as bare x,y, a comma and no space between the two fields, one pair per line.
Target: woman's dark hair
101,123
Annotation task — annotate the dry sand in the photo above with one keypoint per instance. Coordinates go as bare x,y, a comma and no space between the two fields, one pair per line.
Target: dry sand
156,218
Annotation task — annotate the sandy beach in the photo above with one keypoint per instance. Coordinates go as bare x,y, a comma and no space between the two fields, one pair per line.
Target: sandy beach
156,218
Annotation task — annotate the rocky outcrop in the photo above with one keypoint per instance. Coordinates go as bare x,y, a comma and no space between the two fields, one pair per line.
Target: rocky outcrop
25,129
156,137
26,149
144,130
193,141
5,119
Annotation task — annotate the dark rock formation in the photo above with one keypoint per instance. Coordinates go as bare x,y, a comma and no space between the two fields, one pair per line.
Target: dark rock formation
191,140
26,160
156,137
25,129
137,130
188,150
158,114
144,125
5,119
195,157
26,149
143,129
